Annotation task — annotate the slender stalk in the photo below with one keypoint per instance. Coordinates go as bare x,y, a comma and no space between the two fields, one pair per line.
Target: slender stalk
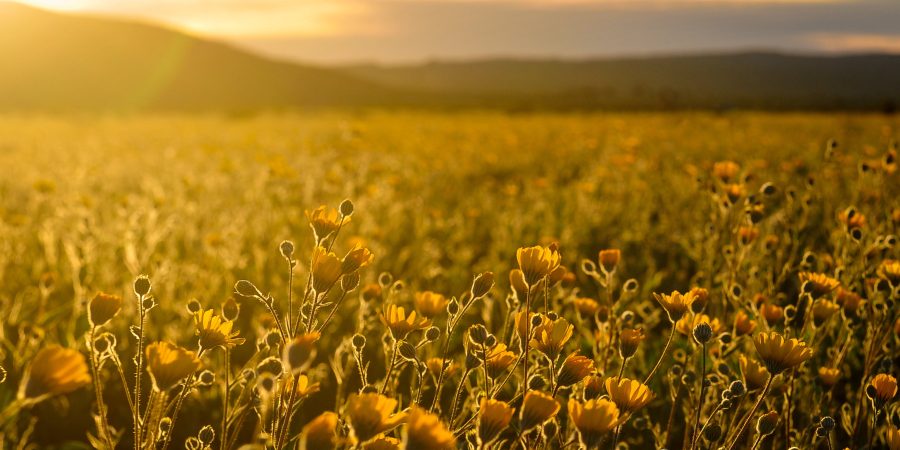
762,395
661,356
694,435
185,389
527,319
387,378
758,440
225,399
139,357
459,389
98,391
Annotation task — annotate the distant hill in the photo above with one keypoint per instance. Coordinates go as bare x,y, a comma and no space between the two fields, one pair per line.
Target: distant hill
61,62
746,80
54,62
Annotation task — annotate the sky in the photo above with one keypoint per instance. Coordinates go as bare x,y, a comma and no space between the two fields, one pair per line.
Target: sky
414,31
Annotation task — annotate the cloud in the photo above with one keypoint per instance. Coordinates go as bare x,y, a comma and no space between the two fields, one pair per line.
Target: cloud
856,42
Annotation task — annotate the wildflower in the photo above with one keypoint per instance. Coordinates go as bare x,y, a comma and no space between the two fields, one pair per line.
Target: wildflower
522,323
593,419
574,369
755,374
324,221
498,359
892,438
320,433
300,351
743,325
882,388
356,259
773,314
829,375
493,418
734,192
779,354
889,269
822,310
303,386
537,408
687,324
537,262
370,414
382,442
609,259
587,307
425,431
551,336
725,171
103,307
372,292
629,340
54,371
629,395
818,284
700,296
675,304
852,219
327,268
849,301
747,234
214,331
401,324
168,364
593,387
482,284
434,366
517,284
430,304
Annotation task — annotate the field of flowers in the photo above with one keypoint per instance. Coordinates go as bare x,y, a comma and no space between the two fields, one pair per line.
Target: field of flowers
400,280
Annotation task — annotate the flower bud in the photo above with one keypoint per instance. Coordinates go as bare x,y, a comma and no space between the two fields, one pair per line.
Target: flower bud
142,285
287,249
767,423
482,284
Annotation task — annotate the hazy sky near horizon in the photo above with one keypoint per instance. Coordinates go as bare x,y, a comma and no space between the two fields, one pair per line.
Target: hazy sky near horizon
391,31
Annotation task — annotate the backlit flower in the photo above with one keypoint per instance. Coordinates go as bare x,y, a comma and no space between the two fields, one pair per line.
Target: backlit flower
425,431
593,419
537,408
382,442
402,324
300,351
822,310
780,354
726,171
629,340
215,331
498,359
356,259
829,375
103,307
430,304
54,371
370,414
537,262
327,269
574,369
320,433
550,337
818,284
324,221
676,304
755,374
889,269
892,438
168,364
493,418
687,324
609,259
629,395
743,324
773,314
849,301
587,307
884,387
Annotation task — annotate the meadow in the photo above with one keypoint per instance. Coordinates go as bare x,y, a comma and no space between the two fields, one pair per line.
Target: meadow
406,280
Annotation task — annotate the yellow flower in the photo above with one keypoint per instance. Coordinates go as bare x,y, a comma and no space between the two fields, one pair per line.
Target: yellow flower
687,324
851,218
892,438
849,301
327,269
629,340
551,336
300,351
401,324
517,284
498,359
493,418
587,307
574,369
829,375
818,284
434,366
593,387
324,221
593,419
356,259
430,304
522,323
302,386
215,331
884,388
676,304
320,433
726,170
779,354
889,269
537,262
537,408
382,442
370,414
743,324
609,259
772,313
425,431
822,310
755,374
103,307
54,371
169,364
629,395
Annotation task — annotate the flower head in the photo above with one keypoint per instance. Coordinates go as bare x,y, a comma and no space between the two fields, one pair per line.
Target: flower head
818,284
773,314
629,395
168,364
382,442
574,369
370,414
103,307
430,304
215,331
780,354
629,340
829,375
587,307
726,171
425,431
676,304
320,433
551,336
687,324
755,374
593,419
537,262
356,259
327,269
498,359
54,371
609,259
889,269
300,351
493,418
822,310
882,389
324,221
743,324
892,438
537,408
402,324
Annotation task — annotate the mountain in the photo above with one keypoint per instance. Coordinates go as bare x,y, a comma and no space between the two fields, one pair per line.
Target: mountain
60,62
747,80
